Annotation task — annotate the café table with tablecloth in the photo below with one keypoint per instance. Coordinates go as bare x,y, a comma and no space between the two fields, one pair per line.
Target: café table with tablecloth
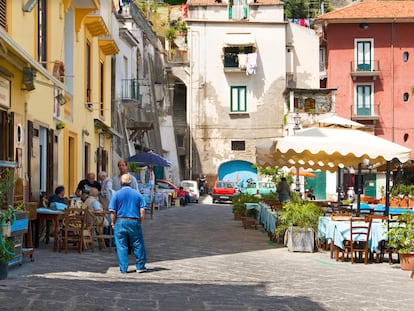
45,214
265,216
339,230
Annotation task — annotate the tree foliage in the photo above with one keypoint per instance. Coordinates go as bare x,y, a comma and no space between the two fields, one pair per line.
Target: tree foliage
305,8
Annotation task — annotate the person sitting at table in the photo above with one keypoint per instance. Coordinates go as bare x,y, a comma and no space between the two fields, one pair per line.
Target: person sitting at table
92,201
93,205
310,194
44,200
57,200
86,184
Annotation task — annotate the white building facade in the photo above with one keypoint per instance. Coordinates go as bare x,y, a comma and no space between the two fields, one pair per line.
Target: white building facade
241,56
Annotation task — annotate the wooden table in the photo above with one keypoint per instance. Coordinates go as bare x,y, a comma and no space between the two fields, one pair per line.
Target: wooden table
55,217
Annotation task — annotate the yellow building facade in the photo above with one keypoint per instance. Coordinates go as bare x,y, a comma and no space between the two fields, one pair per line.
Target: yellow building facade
55,91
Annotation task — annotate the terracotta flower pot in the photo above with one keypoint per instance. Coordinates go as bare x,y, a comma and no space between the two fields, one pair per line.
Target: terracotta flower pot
237,216
407,261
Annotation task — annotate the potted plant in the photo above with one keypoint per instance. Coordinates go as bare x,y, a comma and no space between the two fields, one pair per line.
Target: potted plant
401,239
7,217
299,219
60,125
239,209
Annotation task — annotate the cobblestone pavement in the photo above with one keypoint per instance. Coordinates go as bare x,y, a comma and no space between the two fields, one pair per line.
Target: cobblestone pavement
201,259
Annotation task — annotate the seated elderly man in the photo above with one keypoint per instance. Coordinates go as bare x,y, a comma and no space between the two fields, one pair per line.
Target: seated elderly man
93,205
92,201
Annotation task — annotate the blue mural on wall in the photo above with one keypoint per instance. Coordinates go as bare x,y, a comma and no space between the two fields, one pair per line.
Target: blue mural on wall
238,171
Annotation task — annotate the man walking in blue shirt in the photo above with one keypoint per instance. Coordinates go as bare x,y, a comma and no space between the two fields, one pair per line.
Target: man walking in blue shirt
127,208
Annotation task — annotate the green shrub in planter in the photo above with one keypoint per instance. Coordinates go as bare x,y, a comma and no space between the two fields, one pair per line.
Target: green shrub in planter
401,236
299,213
270,196
240,199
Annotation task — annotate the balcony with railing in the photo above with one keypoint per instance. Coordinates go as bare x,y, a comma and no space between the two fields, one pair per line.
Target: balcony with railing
370,113
130,92
370,69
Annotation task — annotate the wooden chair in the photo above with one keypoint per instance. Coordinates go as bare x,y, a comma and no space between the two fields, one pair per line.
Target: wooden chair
28,249
88,230
360,229
333,248
18,194
364,209
341,209
73,224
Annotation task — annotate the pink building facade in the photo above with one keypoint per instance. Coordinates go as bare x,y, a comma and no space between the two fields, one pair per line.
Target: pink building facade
369,49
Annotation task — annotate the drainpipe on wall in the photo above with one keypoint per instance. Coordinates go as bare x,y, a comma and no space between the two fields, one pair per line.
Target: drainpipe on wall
190,109
393,83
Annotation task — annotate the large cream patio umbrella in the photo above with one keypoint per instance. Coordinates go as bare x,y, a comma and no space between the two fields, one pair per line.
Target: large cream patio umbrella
327,149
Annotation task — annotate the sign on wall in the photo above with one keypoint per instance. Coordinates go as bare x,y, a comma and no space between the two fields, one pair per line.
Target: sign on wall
4,92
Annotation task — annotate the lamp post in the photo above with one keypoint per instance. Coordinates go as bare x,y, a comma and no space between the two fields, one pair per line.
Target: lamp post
297,118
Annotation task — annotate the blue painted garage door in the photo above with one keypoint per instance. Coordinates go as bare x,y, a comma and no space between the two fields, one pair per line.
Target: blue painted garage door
237,171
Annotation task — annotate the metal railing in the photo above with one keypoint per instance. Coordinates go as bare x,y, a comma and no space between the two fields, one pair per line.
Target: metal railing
130,90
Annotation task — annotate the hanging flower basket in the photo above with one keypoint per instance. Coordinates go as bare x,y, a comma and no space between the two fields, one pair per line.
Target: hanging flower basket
60,125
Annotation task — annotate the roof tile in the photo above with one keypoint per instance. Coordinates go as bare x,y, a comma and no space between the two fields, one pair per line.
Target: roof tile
373,9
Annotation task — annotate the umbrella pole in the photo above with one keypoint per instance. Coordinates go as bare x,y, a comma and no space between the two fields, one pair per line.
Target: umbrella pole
297,180
359,188
387,188
339,184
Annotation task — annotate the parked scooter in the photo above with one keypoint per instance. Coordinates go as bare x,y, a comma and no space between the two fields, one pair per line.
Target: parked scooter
202,185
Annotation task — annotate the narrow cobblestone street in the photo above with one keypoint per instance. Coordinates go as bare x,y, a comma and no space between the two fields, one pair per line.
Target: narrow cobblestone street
199,258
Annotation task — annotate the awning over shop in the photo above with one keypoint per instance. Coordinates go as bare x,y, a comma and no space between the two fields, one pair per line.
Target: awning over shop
239,39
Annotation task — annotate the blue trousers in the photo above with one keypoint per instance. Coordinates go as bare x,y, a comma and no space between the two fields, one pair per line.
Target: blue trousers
129,230
283,197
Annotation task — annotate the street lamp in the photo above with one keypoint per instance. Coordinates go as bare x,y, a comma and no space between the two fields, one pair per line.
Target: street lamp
297,118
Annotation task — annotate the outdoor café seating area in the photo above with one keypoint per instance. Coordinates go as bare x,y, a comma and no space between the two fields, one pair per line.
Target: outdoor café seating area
347,234
76,227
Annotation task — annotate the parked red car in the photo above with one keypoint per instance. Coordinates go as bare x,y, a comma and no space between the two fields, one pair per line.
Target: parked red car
223,191
182,194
